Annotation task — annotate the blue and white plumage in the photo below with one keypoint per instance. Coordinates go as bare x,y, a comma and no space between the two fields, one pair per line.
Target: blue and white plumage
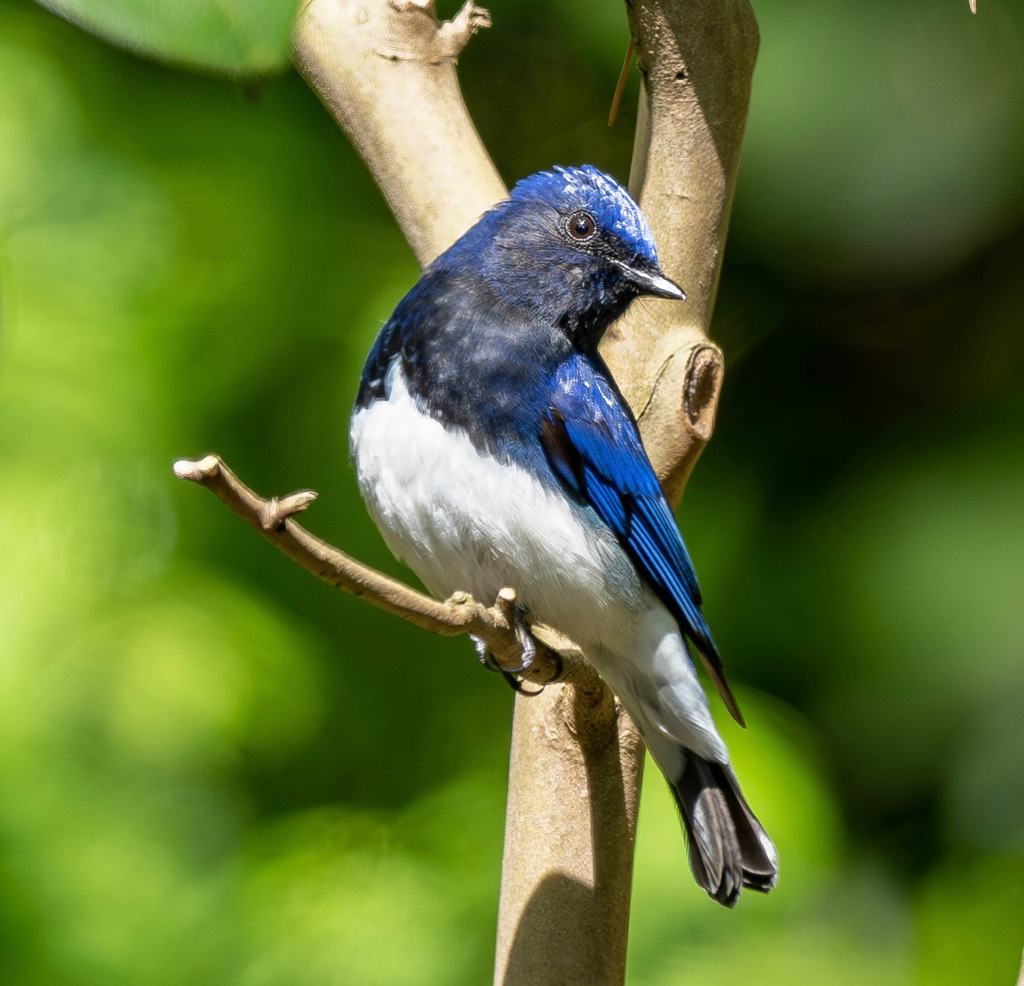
493,449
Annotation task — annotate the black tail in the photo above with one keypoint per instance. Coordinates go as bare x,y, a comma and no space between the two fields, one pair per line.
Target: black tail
728,849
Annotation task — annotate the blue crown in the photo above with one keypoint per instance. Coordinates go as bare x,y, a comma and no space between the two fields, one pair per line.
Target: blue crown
599,194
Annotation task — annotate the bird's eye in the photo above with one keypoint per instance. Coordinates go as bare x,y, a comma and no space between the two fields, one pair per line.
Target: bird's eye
581,226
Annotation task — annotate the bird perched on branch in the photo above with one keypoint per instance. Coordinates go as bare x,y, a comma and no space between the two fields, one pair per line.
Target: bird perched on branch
494,449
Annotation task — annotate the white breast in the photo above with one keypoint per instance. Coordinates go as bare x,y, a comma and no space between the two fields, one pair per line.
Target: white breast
462,520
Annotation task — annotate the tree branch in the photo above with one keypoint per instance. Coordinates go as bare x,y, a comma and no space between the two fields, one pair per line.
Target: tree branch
461,614
696,58
570,826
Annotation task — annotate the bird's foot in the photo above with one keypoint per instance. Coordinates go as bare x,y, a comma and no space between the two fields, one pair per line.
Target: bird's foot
528,647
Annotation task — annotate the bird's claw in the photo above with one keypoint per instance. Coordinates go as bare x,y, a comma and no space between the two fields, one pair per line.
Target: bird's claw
528,647
483,653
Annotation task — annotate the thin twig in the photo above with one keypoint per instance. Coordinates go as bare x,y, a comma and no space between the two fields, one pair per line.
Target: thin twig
620,87
461,614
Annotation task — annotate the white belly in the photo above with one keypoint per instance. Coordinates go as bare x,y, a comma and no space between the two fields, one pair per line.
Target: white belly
462,520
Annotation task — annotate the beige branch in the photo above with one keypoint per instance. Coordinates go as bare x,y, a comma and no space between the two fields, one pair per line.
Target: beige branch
569,832
461,614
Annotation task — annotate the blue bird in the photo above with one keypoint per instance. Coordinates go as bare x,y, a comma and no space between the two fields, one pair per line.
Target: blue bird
494,449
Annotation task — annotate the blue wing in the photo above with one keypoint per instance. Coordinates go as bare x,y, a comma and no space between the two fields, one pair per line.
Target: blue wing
592,443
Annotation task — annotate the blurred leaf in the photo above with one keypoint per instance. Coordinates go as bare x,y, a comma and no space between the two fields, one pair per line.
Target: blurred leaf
338,897
812,953
933,560
233,37
984,796
969,919
862,160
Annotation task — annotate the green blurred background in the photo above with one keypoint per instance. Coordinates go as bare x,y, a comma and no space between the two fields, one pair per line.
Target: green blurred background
214,769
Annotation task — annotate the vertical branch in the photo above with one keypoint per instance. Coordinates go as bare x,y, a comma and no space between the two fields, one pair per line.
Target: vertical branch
569,833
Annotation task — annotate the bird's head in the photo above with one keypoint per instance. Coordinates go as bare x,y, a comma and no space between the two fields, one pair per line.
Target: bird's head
571,246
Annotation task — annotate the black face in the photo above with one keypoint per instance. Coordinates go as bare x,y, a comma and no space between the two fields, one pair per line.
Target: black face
568,250
589,270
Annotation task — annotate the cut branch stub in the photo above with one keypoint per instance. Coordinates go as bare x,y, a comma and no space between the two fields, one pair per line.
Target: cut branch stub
495,625
679,417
